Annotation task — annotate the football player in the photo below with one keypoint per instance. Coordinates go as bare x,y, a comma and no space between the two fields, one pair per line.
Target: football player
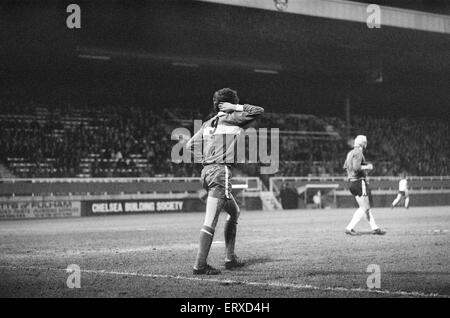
402,193
217,138
357,168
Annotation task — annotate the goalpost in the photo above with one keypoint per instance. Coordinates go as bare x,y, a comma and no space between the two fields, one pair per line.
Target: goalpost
323,190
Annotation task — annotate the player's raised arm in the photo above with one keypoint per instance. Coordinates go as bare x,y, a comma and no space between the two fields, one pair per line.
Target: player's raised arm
241,115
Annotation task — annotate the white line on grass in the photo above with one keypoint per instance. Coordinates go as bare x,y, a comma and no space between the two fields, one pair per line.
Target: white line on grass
236,282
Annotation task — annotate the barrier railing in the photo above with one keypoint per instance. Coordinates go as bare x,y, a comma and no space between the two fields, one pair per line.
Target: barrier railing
91,186
376,182
95,186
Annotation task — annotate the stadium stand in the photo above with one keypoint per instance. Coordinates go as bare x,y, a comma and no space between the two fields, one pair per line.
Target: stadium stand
419,146
42,141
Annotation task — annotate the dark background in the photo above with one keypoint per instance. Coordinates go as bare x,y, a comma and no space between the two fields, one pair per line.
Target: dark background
319,61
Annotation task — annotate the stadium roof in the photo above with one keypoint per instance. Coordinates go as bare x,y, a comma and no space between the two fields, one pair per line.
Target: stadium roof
351,11
433,6
199,34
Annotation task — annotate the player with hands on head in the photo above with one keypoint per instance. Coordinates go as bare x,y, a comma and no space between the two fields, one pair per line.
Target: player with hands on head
217,137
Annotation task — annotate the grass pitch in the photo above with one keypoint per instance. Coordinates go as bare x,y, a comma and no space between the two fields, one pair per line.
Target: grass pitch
297,253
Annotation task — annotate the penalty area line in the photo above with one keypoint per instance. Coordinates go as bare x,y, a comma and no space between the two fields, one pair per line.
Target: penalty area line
272,284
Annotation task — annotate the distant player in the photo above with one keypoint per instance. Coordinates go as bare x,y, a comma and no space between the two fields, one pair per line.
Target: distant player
357,168
218,137
402,193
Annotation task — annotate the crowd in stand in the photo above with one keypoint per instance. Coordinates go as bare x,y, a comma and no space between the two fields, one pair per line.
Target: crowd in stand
114,136
415,146
293,122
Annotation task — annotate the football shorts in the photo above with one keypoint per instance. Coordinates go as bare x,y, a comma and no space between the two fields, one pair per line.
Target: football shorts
216,180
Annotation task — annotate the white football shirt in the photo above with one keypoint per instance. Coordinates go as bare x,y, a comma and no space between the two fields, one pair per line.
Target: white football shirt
403,185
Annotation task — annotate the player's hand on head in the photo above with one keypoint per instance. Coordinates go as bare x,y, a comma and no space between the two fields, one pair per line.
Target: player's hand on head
227,107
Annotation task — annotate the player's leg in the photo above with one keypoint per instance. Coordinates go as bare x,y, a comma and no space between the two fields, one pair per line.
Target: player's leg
369,215
230,230
212,181
374,227
356,190
371,220
407,200
396,200
363,203
213,207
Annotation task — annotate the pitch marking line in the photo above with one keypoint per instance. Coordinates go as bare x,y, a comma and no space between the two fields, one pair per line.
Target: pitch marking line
243,282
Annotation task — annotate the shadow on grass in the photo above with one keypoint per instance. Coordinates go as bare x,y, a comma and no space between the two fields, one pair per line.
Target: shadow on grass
259,260
360,233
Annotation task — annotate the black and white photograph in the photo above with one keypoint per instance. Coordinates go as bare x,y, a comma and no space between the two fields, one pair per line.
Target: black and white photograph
225,154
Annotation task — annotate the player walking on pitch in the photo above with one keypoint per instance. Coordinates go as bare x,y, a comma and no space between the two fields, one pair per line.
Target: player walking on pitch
356,167
402,193
218,137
